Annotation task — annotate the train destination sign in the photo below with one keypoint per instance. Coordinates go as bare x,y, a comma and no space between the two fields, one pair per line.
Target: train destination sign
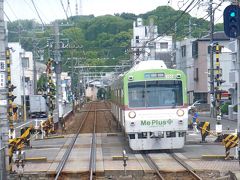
156,122
154,75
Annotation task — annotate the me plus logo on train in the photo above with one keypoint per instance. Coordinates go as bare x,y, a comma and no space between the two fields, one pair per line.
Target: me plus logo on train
156,122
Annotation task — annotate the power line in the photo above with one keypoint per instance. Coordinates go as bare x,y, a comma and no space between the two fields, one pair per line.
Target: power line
37,12
69,7
11,9
7,16
64,9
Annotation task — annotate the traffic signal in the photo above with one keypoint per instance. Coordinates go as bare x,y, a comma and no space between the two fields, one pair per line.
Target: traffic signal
231,21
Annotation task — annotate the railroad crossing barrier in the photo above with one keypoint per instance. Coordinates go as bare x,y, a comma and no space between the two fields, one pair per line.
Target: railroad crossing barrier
16,145
229,140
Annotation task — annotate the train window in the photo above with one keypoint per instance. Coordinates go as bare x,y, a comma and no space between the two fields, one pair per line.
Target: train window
136,94
164,93
170,134
131,136
142,135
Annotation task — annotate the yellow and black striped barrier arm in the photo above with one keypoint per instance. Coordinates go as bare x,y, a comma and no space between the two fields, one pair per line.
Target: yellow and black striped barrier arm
229,141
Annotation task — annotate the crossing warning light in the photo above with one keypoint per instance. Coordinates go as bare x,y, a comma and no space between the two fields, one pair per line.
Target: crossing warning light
231,21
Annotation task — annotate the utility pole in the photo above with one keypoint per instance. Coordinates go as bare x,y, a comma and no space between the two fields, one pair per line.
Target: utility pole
238,96
212,94
58,70
72,87
4,127
34,61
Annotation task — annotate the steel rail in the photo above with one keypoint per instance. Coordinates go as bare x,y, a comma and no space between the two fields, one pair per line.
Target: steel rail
92,165
152,165
187,167
69,149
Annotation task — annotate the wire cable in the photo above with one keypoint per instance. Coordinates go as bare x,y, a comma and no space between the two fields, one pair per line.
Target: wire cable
64,9
37,13
7,16
11,10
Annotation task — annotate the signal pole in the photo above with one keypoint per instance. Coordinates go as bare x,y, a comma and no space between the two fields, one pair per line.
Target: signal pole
238,96
212,99
4,128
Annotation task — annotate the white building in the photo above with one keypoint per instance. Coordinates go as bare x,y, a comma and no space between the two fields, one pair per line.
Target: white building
22,66
18,60
148,45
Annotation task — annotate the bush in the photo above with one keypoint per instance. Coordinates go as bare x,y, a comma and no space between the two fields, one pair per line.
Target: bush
224,107
235,108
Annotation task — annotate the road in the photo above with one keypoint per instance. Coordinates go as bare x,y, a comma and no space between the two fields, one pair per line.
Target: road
32,121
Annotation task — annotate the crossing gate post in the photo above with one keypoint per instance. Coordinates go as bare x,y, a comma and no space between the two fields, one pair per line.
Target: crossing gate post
229,141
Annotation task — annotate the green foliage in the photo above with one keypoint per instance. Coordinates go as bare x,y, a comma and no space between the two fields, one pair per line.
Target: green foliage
104,39
42,83
235,108
224,107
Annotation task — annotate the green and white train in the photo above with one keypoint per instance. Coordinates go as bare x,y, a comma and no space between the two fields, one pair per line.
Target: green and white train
150,103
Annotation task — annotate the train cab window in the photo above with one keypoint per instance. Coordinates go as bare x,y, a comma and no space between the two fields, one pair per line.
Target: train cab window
136,94
131,136
170,134
142,135
164,93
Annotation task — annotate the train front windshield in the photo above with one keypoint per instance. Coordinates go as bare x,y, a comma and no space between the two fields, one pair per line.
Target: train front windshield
155,93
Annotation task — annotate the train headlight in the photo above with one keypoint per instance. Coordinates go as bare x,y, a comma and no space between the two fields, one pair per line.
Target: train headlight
132,114
180,112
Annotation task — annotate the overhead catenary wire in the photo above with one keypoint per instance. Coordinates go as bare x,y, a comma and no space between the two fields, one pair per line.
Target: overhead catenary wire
11,9
37,13
64,9
7,16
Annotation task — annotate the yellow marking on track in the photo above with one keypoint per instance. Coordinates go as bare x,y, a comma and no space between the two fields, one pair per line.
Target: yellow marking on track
36,159
118,158
214,156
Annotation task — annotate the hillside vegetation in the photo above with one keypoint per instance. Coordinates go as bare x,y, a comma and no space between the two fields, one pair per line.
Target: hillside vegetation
104,39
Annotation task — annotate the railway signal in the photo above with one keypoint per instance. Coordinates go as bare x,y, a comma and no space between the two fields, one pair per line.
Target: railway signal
231,19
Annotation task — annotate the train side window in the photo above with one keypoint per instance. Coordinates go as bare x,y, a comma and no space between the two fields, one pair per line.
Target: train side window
131,136
142,135
170,134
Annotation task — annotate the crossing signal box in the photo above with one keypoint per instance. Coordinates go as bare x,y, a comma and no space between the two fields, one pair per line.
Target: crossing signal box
231,20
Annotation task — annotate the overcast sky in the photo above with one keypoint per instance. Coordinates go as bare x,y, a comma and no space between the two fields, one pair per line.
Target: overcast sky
49,10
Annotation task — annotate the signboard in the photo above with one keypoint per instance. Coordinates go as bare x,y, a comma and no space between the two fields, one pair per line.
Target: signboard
2,80
2,66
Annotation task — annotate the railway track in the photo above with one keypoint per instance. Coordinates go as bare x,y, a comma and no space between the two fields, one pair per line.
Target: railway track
187,167
160,176
92,163
153,165
90,116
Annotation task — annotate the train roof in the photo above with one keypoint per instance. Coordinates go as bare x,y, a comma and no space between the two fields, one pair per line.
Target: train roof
150,64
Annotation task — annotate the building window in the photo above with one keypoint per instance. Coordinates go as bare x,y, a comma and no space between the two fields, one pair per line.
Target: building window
196,74
137,39
25,62
163,45
195,49
183,50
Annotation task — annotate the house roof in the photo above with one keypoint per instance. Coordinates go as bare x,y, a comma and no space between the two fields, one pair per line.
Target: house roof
217,36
